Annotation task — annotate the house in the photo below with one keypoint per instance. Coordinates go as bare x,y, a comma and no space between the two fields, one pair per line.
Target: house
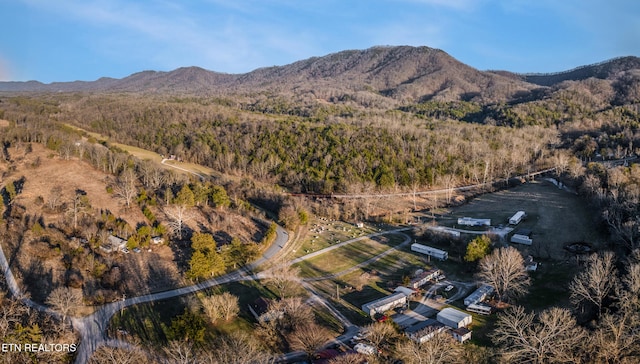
469,221
454,318
427,250
478,295
423,277
365,349
359,225
461,334
424,330
113,243
385,304
157,240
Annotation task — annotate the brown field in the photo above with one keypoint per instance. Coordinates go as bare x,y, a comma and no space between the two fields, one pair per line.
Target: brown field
69,175
48,258
555,217
4,123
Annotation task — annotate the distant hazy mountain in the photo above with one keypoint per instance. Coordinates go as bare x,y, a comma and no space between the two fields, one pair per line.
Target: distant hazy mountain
401,73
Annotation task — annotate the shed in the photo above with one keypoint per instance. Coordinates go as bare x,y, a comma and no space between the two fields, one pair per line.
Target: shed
461,334
454,318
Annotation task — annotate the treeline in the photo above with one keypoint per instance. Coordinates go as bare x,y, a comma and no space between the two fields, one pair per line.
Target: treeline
386,150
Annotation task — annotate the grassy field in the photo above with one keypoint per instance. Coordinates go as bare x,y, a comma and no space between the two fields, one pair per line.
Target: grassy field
347,256
555,217
150,322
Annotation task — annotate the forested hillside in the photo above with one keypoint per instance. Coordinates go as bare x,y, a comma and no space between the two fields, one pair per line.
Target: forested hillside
382,121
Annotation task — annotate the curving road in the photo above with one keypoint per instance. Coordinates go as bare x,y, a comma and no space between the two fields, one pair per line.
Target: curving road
92,328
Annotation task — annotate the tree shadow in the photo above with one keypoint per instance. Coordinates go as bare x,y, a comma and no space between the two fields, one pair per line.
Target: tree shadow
37,281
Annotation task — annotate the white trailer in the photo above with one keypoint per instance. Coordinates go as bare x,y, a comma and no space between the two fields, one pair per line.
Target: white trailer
480,309
521,239
478,295
469,221
436,253
515,219
385,304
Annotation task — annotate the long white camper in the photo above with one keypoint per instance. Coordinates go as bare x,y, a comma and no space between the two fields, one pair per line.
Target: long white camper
515,219
436,253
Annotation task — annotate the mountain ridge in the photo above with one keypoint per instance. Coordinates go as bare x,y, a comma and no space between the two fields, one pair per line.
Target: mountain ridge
396,72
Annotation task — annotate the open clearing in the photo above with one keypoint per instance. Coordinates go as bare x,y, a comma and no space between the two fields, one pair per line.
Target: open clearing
555,217
347,256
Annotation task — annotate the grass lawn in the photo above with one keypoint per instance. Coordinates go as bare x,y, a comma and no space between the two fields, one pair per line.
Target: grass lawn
150,322
347,256
550,285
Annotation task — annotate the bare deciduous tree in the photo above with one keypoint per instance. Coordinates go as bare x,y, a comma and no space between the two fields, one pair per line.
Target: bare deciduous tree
595,282
285,278
237,348
439,349
380,332
504,270
110,355
221,306
294,311
309,338
180,352
53,201
65,300
179,216
554,337
125,186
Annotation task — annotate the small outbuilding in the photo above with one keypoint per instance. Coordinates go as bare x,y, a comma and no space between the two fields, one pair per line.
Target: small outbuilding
454,318
461,334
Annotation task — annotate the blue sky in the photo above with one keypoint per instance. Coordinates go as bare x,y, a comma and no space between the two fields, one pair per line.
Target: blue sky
66,40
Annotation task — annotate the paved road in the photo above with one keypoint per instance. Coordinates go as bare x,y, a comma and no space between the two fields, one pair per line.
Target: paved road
92,328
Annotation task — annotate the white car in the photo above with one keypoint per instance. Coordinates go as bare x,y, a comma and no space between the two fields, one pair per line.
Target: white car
448,288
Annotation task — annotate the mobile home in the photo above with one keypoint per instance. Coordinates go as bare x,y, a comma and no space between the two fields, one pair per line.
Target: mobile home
515,219
521,239
436,253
